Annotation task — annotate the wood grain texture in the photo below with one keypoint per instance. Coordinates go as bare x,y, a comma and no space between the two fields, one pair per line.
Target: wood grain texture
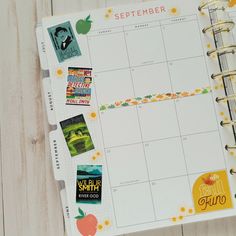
220,227
29,198
1,193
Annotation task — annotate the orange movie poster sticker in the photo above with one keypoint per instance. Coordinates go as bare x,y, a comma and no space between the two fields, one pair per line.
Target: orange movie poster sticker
211,192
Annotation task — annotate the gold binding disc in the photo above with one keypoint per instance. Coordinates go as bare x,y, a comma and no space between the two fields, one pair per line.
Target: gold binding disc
210,3
226,98
220,26
222,50
228,147
224,74
228,123
232,171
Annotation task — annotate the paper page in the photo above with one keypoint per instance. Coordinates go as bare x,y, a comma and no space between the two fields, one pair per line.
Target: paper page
145,149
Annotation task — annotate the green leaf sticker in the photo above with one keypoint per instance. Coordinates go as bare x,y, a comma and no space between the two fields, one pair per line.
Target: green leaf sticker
111,106
81,212
88,19
79,217
102,108
125,104
205,91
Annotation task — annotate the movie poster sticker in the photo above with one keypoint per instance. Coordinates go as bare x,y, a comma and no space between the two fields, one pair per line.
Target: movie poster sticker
89,184
79,82
64,41
77,135
211,192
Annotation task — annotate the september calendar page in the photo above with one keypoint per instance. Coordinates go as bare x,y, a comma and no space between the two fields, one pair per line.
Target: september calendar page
138,139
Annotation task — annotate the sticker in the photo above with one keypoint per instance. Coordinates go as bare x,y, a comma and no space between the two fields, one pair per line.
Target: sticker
154,98
232,3
107,223
104,225
83,26
174,11
64,41
211,192
92,115
89,184
183,212
96,155
86,224
209,46
108,13
78,91
59,72
77,135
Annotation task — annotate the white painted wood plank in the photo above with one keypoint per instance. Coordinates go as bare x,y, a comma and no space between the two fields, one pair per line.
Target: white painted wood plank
170,231
1,194
120,2
31,199
221,227
64,7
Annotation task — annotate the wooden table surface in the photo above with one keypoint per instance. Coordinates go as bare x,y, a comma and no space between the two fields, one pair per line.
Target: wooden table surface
29,198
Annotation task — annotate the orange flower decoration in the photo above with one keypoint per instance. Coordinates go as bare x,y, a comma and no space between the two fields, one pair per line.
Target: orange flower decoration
145,100
185,94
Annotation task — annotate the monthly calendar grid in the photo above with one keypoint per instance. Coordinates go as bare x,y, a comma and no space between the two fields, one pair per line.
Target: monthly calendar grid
187,174
145,157
137,112
109,178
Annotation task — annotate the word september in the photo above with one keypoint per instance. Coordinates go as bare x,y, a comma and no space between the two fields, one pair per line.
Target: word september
141,12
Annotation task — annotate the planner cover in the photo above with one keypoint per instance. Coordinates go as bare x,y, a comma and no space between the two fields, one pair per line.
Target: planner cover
143,119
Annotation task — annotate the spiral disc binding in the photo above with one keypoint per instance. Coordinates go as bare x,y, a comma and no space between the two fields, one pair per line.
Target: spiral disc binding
221,26
210,3
226,98
232,171
224,74
222,50
216,28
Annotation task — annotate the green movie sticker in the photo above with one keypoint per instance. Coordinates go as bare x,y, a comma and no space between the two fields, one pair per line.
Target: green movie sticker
64,41
77,135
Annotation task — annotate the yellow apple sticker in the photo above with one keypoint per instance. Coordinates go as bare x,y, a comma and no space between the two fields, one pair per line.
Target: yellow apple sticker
83,26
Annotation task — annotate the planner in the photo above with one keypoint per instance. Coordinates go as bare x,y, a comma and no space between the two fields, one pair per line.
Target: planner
141,104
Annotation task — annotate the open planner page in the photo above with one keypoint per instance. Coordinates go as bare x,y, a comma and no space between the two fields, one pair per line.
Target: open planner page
138,140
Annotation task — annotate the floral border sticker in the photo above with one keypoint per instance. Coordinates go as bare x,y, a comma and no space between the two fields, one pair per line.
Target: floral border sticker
108,13
183,212
174,11
96,155
154,98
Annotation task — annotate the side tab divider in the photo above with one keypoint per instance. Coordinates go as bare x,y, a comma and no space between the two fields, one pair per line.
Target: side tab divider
48,97
65,211
56,159
41,48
